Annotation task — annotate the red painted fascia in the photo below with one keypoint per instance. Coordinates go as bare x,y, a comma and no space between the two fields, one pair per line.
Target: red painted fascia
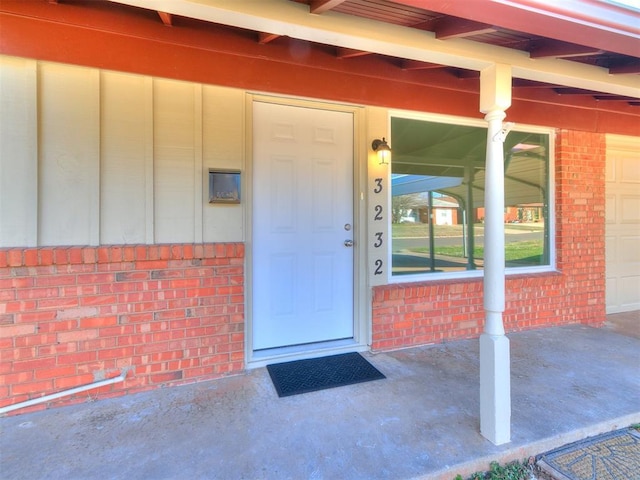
131,40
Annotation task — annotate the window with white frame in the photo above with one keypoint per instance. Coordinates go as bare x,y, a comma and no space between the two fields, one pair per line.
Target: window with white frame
437,197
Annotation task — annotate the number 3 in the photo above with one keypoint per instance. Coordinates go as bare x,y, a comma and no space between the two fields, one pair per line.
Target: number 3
378,242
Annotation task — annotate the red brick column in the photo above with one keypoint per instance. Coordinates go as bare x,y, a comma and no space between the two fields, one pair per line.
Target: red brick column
426,312
73,315
580,224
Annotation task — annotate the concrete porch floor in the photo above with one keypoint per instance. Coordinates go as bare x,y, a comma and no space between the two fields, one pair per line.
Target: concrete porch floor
421,422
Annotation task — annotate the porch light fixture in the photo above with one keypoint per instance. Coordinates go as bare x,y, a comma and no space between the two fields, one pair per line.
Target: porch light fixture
381,147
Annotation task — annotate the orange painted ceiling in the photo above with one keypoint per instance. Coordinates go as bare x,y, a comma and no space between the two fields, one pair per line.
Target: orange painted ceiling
112,35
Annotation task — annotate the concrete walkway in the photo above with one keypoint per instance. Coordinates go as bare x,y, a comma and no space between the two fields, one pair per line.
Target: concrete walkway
421,422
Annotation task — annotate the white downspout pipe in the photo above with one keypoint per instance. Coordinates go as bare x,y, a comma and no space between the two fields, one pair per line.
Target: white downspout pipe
71,391
495,370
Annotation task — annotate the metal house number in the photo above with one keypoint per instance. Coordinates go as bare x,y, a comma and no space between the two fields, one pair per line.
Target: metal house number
378,216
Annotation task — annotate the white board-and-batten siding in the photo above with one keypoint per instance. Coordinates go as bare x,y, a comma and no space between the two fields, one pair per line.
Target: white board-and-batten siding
91,157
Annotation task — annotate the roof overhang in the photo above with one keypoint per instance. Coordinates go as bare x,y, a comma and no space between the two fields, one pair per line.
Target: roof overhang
595,23
287,18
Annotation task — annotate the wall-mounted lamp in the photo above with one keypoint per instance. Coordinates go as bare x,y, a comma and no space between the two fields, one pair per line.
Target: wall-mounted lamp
381,147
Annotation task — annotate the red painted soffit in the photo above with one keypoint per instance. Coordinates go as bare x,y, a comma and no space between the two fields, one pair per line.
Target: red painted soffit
615,29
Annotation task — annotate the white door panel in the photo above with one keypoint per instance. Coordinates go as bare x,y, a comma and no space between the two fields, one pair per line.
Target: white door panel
302,199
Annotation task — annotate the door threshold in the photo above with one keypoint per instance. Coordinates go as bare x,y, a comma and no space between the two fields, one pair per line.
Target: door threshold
260,358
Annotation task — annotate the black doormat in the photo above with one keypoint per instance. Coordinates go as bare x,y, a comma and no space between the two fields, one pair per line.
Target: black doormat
303,376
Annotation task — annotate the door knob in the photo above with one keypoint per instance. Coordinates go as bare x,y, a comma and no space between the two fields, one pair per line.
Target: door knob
348,243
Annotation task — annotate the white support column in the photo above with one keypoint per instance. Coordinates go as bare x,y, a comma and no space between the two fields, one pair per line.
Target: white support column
495,381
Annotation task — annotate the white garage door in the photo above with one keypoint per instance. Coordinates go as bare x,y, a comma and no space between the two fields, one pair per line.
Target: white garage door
623,223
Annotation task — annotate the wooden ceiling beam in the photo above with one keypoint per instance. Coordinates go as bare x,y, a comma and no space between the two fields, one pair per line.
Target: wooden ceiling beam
523,83
603,97
342,52
465,74
556,49
264,38
166,18
615,98
417,65
453,27
575,91
630,67
321,6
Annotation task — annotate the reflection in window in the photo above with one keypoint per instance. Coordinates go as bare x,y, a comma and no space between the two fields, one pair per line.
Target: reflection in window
438,197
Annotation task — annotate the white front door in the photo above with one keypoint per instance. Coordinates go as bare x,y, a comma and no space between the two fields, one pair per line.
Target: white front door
302,260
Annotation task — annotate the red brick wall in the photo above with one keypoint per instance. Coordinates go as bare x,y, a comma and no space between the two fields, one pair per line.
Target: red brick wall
73,315
434,311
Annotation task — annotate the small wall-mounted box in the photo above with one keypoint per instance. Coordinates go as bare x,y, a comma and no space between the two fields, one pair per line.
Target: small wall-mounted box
224,186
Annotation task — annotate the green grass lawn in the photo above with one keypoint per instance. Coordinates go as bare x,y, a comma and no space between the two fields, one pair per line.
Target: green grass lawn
405,230
516,253
525,253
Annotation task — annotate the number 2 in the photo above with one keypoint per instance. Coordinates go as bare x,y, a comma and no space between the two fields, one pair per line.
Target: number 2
378,270
378,210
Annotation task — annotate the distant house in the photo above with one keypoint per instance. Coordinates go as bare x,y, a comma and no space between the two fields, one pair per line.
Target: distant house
519,214
444,211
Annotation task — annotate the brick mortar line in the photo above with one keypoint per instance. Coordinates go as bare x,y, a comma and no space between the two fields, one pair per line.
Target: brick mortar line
74,255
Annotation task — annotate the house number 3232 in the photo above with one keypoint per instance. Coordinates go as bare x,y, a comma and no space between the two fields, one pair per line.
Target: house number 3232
378,217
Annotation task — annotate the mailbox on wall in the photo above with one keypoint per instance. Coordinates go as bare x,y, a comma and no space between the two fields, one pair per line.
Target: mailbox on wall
224,186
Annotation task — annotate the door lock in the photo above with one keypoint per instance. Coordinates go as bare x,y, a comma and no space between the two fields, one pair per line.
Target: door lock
348,243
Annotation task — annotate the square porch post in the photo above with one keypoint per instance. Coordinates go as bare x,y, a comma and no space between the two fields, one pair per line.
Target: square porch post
495,373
